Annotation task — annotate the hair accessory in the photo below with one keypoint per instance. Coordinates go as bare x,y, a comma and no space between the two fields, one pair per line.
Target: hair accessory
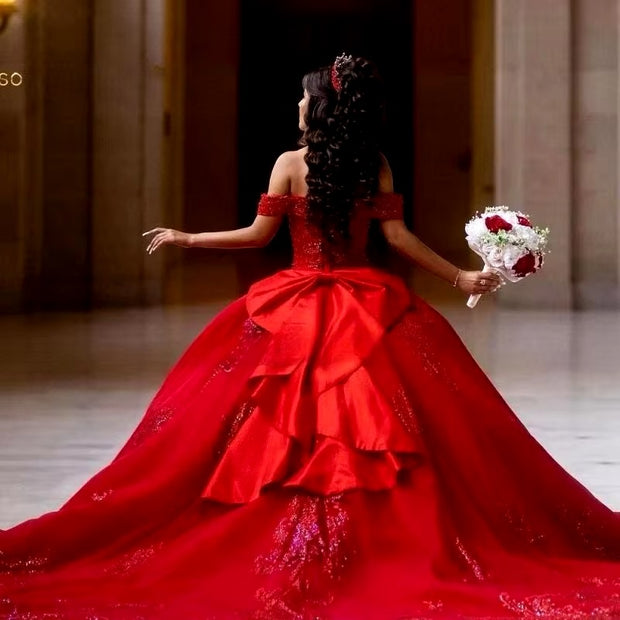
339,63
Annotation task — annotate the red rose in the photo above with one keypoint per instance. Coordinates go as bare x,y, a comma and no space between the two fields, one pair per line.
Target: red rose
523,221
529,263
495,223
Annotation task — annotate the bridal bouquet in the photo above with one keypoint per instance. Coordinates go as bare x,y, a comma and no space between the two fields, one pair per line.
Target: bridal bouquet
507,242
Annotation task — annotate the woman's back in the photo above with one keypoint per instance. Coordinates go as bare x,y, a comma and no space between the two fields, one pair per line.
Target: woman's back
311,250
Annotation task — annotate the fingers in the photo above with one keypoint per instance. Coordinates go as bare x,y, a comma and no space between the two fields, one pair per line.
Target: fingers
490,287
488,282
156,241
162,235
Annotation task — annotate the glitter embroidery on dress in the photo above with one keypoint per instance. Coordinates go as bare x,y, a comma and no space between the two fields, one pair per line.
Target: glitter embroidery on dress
100,496
433,605
134,558
29,564
586,529
250,333
233,423
472,563
404,411
557,606
526,534
416,328
273,204
579,521
153,423
313,547
135,611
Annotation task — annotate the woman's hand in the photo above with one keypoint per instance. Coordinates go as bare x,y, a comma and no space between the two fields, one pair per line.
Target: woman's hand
165,236
478,282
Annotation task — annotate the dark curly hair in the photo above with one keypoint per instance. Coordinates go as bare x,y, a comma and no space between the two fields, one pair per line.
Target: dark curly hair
343,139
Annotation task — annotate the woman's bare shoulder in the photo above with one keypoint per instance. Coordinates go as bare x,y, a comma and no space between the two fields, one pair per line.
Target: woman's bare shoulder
297,156
298,170
291,160
295,153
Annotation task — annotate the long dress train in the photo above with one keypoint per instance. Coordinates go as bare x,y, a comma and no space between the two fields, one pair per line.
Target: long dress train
326,448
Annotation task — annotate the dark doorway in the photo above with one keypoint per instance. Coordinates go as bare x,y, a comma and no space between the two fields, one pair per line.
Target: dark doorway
283,39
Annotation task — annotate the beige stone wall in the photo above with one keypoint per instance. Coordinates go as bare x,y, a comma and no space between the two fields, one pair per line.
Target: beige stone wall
81,153
556,146
533,135
128,117
596,216
12,137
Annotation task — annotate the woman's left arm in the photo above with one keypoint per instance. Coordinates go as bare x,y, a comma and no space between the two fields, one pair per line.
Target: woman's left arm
258,234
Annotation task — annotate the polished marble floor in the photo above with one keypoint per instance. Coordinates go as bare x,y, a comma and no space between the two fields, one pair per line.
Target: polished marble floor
74,385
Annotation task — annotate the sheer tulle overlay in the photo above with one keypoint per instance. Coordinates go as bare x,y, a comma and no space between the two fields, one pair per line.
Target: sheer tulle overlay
326,448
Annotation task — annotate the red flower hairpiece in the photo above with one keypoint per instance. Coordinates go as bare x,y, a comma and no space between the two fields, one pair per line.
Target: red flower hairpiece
336,69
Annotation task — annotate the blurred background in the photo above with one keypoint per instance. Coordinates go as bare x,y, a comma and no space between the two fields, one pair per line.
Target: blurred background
120,115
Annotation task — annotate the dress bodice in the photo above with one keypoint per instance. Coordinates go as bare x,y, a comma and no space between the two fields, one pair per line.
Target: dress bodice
310,249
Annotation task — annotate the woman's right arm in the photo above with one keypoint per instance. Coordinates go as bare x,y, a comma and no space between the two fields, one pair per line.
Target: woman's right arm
405,242
257,235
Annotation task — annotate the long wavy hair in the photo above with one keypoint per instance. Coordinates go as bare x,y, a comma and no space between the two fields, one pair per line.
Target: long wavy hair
343,133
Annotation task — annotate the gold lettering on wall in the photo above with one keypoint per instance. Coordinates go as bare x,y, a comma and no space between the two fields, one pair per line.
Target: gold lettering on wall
11,79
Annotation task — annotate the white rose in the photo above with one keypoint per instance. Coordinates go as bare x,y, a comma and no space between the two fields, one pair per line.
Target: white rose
475,228
495,257
530,237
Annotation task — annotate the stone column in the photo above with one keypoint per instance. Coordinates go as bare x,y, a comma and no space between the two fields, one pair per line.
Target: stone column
46,139
533,136
14,79
81,153
596,217
128,123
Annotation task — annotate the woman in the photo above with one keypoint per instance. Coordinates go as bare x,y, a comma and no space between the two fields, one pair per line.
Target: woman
327,447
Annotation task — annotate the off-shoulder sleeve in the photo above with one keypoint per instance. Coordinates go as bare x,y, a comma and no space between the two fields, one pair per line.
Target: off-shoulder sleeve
387,206
273,204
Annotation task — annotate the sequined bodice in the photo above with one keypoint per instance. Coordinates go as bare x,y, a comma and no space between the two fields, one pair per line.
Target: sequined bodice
310,249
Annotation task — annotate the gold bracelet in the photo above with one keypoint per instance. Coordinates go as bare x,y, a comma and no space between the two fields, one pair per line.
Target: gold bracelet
456,279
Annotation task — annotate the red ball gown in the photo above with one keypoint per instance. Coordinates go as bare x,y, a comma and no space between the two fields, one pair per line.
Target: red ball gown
326,448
